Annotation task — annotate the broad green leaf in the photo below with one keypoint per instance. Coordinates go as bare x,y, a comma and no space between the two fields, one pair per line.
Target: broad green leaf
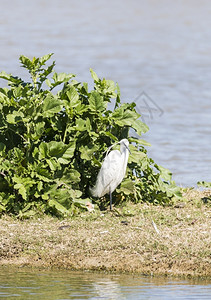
61,77
124,117
34,63
17,92
109,134
73,176
21,189
80,124
73,97
56,149
63,161
26,62
23,184
2,206
109,88
40,185
5,76
88,125
127,186
39,128
46,72
69,151
44,175
45,196
51,106
87,151
45,58
43,150
27,207
27,214
140,127
165,173
96,102
53,164
82,202
135,156
139,141
85,86
69,176
80,109
94,75
58,206
15,117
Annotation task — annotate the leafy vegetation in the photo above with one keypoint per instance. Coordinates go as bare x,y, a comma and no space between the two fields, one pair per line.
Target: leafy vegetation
204,184
52,143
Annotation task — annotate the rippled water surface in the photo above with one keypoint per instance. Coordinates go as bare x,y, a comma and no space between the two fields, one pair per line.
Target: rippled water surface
158,47
40,284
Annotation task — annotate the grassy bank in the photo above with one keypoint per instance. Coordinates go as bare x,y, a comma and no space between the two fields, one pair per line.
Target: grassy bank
147,239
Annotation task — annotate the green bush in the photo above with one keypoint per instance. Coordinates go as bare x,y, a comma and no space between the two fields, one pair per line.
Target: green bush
52,144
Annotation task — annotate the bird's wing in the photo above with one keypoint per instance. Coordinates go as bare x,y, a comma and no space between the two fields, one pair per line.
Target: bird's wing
108,174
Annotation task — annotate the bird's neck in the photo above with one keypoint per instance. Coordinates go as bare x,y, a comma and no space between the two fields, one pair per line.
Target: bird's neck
125,155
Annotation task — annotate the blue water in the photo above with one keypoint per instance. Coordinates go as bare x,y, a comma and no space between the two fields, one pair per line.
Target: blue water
158,47
40,284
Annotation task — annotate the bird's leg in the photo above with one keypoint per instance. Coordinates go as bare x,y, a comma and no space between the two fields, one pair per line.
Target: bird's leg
110,194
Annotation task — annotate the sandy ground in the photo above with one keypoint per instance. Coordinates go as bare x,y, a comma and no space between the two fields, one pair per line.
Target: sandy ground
141,238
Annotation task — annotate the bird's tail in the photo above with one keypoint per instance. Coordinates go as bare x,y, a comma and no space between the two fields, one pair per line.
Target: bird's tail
93,191
98,190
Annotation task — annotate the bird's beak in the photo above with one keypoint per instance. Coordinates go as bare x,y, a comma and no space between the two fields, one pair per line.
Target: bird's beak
127,148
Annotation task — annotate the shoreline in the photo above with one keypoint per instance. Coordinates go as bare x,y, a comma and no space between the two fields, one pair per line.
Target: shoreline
137,238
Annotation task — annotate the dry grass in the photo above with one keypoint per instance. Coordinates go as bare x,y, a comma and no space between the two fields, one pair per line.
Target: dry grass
137,238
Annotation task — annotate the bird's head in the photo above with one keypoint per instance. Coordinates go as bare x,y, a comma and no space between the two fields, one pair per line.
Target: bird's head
124,144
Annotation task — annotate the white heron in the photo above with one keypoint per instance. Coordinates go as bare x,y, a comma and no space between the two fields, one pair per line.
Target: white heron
112,171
